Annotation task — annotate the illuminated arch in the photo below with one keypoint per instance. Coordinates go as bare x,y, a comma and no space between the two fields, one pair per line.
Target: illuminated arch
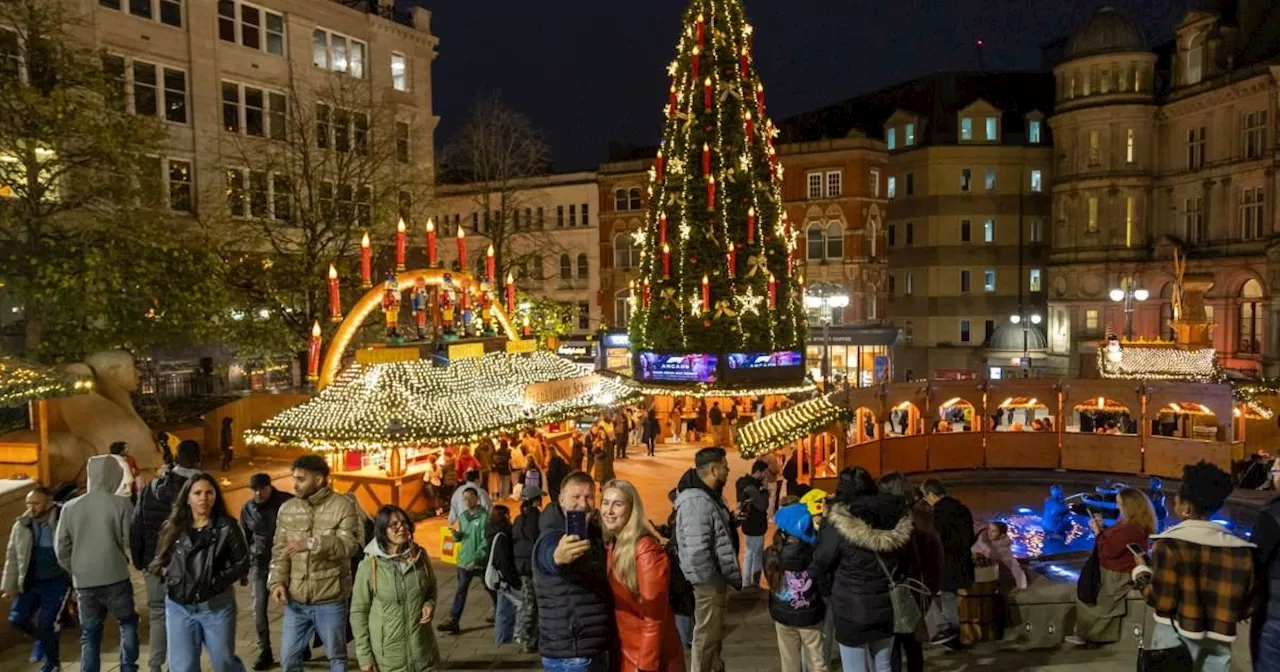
372,300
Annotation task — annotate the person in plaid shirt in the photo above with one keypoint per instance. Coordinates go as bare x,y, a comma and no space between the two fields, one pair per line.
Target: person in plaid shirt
1200,576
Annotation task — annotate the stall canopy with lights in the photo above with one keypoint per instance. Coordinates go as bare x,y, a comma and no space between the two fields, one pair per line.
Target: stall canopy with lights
1158,360
22,383
415,404
790,424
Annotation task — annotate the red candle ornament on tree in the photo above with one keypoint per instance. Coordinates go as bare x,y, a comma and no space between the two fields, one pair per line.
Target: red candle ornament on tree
313,353
662,227
646,293
489,265
366,262
693,62
742,62
760,100
706,93
706,293
751,127
462,249
671,101
335,300
657,167
511,294
773,292
701,29
431,242
706,159
401,242
666,260
733,261
751,225
711,192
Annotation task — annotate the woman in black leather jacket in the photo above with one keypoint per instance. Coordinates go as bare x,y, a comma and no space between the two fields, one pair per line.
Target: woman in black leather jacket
201,555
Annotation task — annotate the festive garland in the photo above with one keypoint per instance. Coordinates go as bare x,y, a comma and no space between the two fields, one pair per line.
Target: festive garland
23,383
789,424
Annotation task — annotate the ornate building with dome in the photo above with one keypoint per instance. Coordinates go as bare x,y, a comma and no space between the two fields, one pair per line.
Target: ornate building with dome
1163,147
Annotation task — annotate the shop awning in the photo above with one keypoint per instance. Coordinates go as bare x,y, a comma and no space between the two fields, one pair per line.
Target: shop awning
1158,361
21,383
791,424
418,404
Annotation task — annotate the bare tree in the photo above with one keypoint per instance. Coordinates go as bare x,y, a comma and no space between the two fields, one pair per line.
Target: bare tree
325,162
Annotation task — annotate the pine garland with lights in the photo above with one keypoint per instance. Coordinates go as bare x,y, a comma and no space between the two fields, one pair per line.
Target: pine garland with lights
789,424
23,383
716,247
417,404
1139,362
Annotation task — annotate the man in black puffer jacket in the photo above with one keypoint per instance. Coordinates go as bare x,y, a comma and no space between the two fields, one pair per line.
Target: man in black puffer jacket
524,534
753,518
154,505
575,602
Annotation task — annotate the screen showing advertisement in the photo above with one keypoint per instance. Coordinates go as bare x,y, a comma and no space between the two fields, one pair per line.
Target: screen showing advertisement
692,368
764,360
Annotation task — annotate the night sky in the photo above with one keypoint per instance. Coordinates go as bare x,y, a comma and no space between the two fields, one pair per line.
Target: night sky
591,72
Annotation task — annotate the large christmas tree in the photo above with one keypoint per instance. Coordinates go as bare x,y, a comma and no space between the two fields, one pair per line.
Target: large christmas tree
717,268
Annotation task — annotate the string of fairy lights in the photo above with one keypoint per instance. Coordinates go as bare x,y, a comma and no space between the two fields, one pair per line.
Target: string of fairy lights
1166,363
22,383
417,404
789,424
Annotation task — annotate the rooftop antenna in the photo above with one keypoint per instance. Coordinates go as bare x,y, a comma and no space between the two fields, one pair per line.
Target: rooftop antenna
982,61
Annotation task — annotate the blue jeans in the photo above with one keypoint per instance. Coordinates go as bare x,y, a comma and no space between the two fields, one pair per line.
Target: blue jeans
1208,655
600,664
94,603
684,626
35,614
210,625
874,656
753,561
464,586
1267,657
301,621
504,619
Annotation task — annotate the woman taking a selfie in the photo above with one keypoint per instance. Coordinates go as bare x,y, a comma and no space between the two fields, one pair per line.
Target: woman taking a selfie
393,599
201,555
639,574
1100,623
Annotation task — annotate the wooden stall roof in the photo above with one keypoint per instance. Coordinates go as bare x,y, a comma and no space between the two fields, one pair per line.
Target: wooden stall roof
791,424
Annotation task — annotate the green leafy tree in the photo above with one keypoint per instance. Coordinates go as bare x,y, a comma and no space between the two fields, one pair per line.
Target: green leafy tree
737,237
548,318
84,246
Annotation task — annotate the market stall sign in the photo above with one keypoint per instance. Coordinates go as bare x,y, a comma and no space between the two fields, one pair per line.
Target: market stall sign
387,355
521,346
557,390
466,351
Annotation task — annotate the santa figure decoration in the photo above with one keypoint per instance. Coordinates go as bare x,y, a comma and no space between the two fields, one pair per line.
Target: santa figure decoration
420,308
391,305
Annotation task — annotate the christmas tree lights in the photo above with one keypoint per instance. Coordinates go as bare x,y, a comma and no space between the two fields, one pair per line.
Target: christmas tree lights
23,383
418,404
789,424
716,246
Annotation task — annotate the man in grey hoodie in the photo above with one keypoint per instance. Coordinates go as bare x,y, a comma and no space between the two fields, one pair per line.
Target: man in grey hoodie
707,544
92,538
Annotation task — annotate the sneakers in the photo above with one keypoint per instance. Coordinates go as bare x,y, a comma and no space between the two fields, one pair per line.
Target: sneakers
450,626
1073,640
945,637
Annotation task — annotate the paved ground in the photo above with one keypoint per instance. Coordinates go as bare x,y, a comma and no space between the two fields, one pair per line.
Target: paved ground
750,644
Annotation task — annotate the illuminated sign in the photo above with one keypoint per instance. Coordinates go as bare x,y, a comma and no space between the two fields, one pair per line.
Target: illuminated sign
521,346
692,368
466,351
764,360
618,340
558,390
388,355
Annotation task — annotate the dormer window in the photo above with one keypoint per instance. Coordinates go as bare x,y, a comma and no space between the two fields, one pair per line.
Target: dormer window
1194,70
993,129
891,138
966,128
909,136
1033,131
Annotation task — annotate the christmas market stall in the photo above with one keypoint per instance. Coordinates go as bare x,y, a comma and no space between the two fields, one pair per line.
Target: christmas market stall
818,428
24,414
383,424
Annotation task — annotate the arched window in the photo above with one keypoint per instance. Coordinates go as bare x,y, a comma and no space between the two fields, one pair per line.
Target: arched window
1194,70
478,266
817,241
835,241
625,254
566,267
635,198
620,199
535,267
1249,324
582,266
622,309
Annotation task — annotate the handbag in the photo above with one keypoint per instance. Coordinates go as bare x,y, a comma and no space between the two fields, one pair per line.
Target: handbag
905,597
1090,582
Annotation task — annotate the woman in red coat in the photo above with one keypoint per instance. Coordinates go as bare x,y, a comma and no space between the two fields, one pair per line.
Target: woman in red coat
640,575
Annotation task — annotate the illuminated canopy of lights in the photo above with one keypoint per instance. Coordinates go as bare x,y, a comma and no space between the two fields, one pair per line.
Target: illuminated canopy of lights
416,404
701,391
21,383
789,424
1153,362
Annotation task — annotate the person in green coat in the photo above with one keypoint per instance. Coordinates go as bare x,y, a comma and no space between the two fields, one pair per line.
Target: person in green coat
394,600
473,554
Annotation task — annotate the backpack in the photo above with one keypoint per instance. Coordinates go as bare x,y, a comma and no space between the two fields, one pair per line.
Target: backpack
533,477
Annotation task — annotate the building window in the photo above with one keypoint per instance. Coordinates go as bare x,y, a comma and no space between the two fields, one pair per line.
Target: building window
993,131
399,72
964,331
835,183
890,235
1037,231
585,219
1093,215
179,175
1095,148
635,198
625,254
337,52
559,216
815,185
1033,280
965,176
170,11
1251,214
622,309
1193,220
989,280
1195,60
893,285
911,234
989,231
1033,131
566,267
1195,148
252,111
991,180
966,128
573,215
875,183
891,138
156,90
909,135
817,241
237,196
910,287
911,183
1255,134
964,282
582,266
1128,221
1128,146
584,315
1037,185
402,142
620,200
1250,318
1091,320
966,231
244,24
835,241
891,187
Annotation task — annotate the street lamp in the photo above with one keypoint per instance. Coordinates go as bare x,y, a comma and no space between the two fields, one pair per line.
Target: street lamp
822,298
1128,292
1022,318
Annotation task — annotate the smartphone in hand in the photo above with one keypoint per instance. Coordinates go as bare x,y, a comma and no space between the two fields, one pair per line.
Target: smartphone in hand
576,523
1135,549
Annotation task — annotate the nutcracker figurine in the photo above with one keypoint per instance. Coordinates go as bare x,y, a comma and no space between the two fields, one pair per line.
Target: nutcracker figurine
446,304
482,305
391,305
420,308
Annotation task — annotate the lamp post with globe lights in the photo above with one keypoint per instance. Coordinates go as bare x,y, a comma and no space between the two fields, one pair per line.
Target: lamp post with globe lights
1026,321
821,299
1129,293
